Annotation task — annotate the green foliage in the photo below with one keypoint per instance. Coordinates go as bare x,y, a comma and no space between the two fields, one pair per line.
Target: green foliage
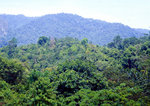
71,72
120,43
12,71
121,95
43,40
12,47
84,42
41,92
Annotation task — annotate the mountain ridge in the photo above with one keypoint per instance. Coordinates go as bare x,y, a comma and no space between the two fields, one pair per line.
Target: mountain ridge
29,29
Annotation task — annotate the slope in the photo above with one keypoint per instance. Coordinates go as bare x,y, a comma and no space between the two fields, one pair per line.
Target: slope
62,25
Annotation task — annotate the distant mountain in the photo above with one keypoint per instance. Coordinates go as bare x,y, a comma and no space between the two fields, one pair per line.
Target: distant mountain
145,31
29,29
8,23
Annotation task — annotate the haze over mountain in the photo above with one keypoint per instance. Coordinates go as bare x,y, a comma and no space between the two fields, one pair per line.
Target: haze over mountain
28,29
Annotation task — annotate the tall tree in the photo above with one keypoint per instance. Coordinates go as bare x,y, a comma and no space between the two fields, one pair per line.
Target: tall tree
43,40
12,44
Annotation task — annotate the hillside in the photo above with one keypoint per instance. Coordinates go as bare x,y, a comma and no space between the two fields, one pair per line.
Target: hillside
28,29
146,31
8,23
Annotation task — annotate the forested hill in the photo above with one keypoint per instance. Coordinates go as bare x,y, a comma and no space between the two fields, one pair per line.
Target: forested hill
8,24
29,29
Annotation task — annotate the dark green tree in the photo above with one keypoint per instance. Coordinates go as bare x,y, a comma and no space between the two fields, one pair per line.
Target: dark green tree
84,42
43,40
12,71
12,44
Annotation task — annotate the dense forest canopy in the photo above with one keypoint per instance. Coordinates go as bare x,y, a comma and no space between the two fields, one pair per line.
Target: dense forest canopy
74,72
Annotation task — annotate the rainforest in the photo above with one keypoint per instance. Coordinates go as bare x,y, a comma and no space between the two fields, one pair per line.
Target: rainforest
71,72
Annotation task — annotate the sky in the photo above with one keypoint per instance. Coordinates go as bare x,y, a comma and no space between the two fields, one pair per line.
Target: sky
134,13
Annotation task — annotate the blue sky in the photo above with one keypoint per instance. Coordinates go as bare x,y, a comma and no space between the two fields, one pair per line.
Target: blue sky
135,13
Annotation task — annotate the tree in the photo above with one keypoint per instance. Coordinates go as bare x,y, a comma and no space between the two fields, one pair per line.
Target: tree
43,40
84,42
12,44
42,92
77,74
117,41
12,71
111,45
